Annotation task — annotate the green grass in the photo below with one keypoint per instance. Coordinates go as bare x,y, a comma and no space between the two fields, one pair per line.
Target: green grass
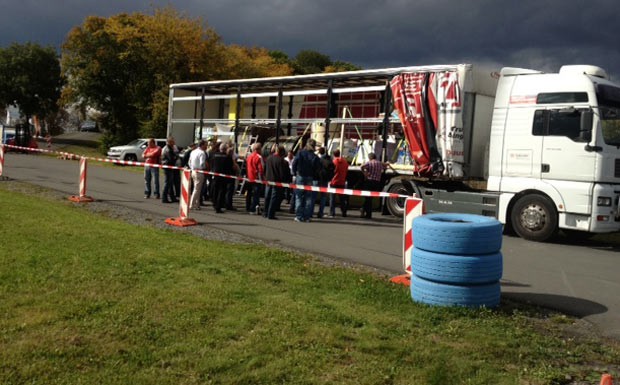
89,300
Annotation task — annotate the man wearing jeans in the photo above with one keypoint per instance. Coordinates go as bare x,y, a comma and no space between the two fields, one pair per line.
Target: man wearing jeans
341,166
198,164
152,156
305,166
373,171
255,173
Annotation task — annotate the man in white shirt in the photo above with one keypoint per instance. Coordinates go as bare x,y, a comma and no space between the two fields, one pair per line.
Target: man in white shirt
197,163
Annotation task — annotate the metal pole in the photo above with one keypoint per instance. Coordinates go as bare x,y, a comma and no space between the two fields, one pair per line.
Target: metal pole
202,111
330,101
387,109
279,114
290,114
237,113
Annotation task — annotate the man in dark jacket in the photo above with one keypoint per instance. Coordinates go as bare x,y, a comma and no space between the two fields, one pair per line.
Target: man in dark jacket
169,156
305,166
325,175
276,170
221,163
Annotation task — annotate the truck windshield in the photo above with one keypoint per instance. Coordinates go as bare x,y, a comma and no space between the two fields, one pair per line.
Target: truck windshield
610,125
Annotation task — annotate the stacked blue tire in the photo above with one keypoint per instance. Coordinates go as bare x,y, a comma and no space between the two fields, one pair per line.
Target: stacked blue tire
456,260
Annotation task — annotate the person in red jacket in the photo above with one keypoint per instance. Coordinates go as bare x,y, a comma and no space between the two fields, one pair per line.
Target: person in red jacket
255,172
339,181
152,156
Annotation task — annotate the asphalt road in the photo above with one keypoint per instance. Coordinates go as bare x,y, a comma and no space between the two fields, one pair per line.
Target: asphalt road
579,279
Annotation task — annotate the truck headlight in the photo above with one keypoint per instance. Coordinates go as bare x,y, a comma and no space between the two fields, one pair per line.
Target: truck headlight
603,201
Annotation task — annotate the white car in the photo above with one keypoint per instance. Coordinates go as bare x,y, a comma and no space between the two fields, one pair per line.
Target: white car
133,150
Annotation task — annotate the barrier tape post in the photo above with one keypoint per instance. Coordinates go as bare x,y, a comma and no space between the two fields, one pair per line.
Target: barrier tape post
183,220
82,198
2,162
414,207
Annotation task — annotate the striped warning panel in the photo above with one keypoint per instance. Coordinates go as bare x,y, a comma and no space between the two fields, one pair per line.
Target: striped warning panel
414,207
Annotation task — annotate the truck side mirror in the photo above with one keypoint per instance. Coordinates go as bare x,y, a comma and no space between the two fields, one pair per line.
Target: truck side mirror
585,130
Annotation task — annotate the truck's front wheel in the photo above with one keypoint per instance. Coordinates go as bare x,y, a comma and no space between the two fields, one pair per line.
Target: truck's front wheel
535,218
396,206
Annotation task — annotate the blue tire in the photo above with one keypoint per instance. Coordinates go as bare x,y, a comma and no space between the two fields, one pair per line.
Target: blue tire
450,233
456,269
442,294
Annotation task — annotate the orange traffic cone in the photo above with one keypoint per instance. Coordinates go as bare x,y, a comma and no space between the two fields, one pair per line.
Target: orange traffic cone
606,379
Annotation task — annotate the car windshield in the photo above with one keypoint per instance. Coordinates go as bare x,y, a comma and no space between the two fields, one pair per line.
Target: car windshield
610,125
134,142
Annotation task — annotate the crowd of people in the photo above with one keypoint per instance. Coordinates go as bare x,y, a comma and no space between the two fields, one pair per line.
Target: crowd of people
311,166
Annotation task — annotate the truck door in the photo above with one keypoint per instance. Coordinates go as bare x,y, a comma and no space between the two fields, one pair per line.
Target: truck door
523,155
563,150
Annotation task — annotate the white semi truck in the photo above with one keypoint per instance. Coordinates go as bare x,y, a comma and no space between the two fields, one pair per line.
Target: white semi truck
538,151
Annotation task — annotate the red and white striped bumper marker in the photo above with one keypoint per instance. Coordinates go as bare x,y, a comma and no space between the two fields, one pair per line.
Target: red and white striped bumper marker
82,198
183,220
1,160
414,207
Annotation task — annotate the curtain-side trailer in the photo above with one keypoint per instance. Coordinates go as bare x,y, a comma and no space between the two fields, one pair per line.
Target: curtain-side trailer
538,151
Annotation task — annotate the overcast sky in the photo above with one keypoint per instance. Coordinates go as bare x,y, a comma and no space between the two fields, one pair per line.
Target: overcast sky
538,34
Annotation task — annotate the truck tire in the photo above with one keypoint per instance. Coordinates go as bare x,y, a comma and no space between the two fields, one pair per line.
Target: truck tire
534,217
442,294
396,206
457,269
451,233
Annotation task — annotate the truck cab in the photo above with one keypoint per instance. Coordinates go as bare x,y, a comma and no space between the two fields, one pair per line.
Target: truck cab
553,152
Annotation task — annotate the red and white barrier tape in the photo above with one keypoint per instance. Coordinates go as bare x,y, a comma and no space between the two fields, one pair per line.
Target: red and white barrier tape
352,192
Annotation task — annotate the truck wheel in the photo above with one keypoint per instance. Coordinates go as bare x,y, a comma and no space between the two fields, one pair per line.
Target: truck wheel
457,269
534,218
453,233
396,206
131,158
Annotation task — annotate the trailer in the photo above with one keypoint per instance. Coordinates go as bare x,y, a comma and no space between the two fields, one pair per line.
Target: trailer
538,151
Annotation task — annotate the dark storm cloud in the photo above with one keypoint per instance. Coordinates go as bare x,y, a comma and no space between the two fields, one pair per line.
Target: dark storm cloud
372,33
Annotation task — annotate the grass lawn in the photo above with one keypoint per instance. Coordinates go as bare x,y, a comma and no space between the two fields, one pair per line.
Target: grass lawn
85,299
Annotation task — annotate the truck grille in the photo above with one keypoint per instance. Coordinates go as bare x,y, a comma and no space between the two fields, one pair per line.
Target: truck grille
617,168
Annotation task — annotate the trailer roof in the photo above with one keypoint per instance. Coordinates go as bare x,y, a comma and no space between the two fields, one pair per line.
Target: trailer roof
363,78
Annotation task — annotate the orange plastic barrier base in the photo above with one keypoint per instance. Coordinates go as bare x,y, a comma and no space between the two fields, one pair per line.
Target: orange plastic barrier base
606,379
404,279
181,222
81,199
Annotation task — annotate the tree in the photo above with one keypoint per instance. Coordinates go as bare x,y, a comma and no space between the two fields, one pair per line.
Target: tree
341,66
124,64
310,62
30,79
243,62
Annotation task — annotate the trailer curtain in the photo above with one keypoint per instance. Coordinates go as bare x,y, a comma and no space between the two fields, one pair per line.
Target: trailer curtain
429,108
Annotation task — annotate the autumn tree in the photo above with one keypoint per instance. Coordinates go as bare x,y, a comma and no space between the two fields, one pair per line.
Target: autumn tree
341,66
311,62
124,64
30,79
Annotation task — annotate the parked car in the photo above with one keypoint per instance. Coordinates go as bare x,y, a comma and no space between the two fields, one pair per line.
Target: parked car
89,126
132,151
